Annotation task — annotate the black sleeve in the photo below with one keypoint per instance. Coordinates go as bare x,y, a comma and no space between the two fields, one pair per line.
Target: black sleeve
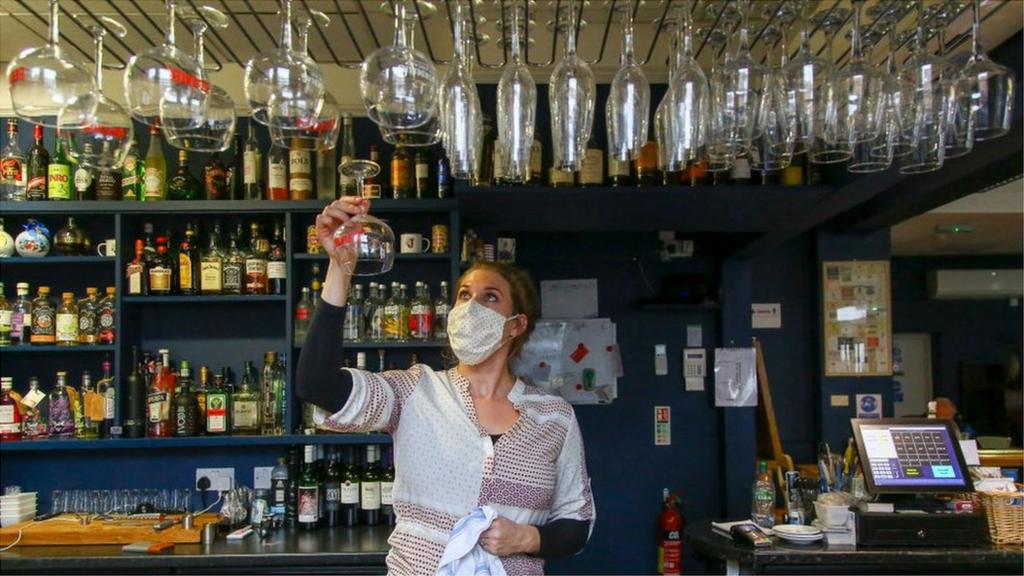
562,537
320,379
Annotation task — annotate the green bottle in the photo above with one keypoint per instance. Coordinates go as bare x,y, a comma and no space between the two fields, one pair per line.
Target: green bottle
183,186
217,408
131,174
309,491
58,174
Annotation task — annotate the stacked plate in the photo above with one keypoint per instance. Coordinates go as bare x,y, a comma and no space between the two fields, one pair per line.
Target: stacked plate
798,534
16,508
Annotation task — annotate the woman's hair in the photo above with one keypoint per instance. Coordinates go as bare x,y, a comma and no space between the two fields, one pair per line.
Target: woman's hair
524,295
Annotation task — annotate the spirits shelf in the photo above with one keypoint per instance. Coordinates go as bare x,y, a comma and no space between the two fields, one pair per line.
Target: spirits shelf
191,442
389,345
202,299
381,206
430,256
53,348
21,261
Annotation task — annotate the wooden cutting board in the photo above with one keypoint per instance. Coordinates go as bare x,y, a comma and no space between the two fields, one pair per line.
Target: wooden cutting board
67,530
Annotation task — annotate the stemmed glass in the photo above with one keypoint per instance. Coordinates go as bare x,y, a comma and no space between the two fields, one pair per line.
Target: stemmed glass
744,82
427,134
860,116
772,148
44,80
825,147
923,91
895,106
517,105
370,239
215,132
398,83
629,98
688,109
97,131
807,78
322,132
663,119
991,88
461,117
959,136
720,142
165,81
292,76
570,100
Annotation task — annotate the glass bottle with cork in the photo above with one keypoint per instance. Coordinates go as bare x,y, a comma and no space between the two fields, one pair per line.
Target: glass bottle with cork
12,166
44,319
132,173
252,161
277,174
58,173
300,172
155,180
88,312
107,391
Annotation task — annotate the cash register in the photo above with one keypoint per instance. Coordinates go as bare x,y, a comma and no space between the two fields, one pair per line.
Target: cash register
908,463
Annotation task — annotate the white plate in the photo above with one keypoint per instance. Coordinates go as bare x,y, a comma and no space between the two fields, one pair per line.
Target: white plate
796,530
801,539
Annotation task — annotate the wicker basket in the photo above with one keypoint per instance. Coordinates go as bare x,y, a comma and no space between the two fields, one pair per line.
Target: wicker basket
1005,514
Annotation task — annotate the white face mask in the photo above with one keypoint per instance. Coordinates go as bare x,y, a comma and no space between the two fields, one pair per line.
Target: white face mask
475,332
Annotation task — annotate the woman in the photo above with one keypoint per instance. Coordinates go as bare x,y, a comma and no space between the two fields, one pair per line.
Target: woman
470,436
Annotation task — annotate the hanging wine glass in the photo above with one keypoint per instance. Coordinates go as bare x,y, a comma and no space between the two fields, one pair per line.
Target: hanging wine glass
461,117
923,91
663,119
322,132
826,148
772,149
293,76
721,139
895,108
427,134
44,80
959,136
687,112
399,84
860,117
807,78
629,97
991,87
215,132
371,241
517,105
166,80
744,81
570,99
97,131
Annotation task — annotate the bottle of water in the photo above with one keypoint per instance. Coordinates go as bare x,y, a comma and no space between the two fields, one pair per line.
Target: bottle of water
762,509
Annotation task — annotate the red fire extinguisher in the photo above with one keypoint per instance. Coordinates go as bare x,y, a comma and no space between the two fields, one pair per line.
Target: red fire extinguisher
670,539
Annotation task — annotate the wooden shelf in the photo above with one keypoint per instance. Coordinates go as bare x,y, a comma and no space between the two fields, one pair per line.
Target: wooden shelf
214,206
21,261
203,299
54,349
191,442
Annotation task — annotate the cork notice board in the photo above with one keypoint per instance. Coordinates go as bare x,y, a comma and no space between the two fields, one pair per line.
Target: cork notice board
858,318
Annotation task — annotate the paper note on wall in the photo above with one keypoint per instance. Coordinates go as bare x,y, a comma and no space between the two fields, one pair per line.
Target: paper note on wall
577,359
568,298
735,377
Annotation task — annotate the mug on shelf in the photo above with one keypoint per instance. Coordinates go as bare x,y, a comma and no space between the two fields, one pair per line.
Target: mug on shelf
413,243
107,248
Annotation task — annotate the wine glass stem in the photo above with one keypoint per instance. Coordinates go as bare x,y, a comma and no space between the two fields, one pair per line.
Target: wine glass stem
54,24
687,29
98,50
286,24
855,37
169,39
400,24
359,184
457,32
515,33
570,29
198,31
975,28
627,35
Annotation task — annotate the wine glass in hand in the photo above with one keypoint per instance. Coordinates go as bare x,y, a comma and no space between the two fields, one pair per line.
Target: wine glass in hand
334,216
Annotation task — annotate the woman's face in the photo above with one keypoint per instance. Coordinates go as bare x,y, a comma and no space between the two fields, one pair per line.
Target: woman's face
487,288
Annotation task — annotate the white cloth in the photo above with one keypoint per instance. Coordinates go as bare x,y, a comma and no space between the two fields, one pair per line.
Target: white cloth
463,555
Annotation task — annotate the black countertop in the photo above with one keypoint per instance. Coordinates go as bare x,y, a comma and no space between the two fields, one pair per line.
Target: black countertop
361,550
992,558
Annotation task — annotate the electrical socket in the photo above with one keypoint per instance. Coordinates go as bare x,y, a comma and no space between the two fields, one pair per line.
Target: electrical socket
221,479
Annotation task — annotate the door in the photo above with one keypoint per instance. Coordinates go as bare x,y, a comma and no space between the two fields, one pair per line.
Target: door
912,373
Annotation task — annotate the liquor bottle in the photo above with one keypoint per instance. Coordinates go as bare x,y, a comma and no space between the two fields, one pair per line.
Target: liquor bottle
160,398
256,281
233,268
326,174
423,175
38,167
421,314
134,400
61,421
107,392
149,246
84,181
303,310
441,308
300,172
200,393
371,185
674,177
309,491
217,406
88,312
245,406
6,310
188,262
58,173
44,329
387,490
105,317
592,171
67,320
154,182
352,329
161,269
647,173
108,179
561,178
740,172
37,410
277,268
393,315
211,264
348,489
498,167
369,488
215,179
793,175
445,184
270,402
21,316
252,166
233,170
182,186
332,488
315,284
135,273
291,505
485,173
10,413
279,487
279,394
536,164
12,166
186,410
763,499
132,174
348,152
90,406
698,173
277,174
401,172
375,329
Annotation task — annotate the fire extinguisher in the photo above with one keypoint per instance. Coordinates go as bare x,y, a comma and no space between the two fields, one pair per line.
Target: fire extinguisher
670,538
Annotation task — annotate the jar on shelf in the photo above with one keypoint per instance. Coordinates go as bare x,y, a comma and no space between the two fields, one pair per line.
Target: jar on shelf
6,242
34,241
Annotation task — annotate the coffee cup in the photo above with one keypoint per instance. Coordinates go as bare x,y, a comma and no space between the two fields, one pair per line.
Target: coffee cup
413,243
107,248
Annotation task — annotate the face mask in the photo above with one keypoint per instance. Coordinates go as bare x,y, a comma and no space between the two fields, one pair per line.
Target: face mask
475,332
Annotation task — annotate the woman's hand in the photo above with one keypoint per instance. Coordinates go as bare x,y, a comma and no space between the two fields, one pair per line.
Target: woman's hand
505,538
334,215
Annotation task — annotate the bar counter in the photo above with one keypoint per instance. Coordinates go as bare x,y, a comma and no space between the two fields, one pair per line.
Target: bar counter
359,550
784,558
